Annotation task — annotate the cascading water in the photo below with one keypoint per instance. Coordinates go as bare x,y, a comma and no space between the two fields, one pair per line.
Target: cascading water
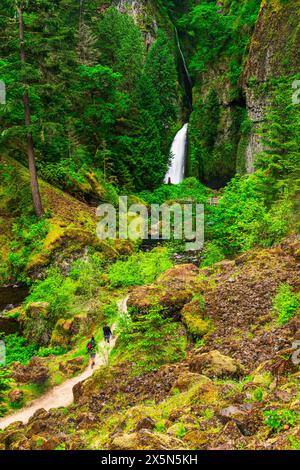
178,152
187,81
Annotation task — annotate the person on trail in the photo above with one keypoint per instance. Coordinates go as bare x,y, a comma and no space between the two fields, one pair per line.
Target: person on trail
92,349
107,333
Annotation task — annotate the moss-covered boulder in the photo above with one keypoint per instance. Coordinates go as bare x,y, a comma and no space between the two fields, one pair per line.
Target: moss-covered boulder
193,317
35,372
145,440
215,364
36,323
172,291
72,367
66,330
188,379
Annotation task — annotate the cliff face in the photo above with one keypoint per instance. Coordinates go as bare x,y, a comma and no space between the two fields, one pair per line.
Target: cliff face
274,53
228,114
144,14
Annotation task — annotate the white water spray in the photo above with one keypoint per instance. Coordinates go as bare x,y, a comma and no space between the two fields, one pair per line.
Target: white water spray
176,171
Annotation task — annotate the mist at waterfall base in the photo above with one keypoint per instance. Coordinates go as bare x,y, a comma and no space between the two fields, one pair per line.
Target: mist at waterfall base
176,171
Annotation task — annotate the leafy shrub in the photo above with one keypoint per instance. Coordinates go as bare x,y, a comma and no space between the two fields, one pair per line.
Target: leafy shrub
180,430
258,394
4,387
285,303
189,189
28,235
152,340
279,420
140,268
86,273
212,254
243,219
18,350
57,290
56,351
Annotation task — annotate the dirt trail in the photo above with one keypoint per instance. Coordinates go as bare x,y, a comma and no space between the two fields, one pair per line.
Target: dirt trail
62,395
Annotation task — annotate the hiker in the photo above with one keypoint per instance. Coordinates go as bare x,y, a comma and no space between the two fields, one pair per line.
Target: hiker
92,349
107,333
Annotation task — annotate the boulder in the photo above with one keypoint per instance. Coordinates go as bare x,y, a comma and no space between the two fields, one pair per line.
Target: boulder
215,364
72,367
15,395
194,320
145,440
51,444
195,439
35,372
36,324
145,423
187,379
247,417
173,289
66,330
62,334
14,440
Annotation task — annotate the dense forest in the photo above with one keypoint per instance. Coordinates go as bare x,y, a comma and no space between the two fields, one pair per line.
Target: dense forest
94,95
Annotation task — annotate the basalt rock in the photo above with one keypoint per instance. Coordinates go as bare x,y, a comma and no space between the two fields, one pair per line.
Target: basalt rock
215,364
145,440
35,372
172,291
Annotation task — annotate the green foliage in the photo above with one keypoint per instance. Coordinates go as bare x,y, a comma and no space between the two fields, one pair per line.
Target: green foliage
56,351
219,35
280,162
18,350
278,420
98,100
212,254
57,290
110,312
220,30
86,273
211,30
258,394
180,430
285,304
189,189
4,387
29,233
152,340
243,219
140,268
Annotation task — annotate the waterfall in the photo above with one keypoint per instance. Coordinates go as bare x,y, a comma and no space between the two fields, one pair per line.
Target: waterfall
188,84
178,152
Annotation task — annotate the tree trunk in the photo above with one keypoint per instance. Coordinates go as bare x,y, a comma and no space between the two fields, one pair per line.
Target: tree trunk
36,197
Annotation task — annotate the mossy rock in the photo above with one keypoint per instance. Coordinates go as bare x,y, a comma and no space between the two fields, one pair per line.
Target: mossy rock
61,335
193,319
36,323
146,440
172,291
187,380
215,364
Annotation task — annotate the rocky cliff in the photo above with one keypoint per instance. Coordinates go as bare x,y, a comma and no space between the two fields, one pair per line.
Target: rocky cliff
273,54
229,136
